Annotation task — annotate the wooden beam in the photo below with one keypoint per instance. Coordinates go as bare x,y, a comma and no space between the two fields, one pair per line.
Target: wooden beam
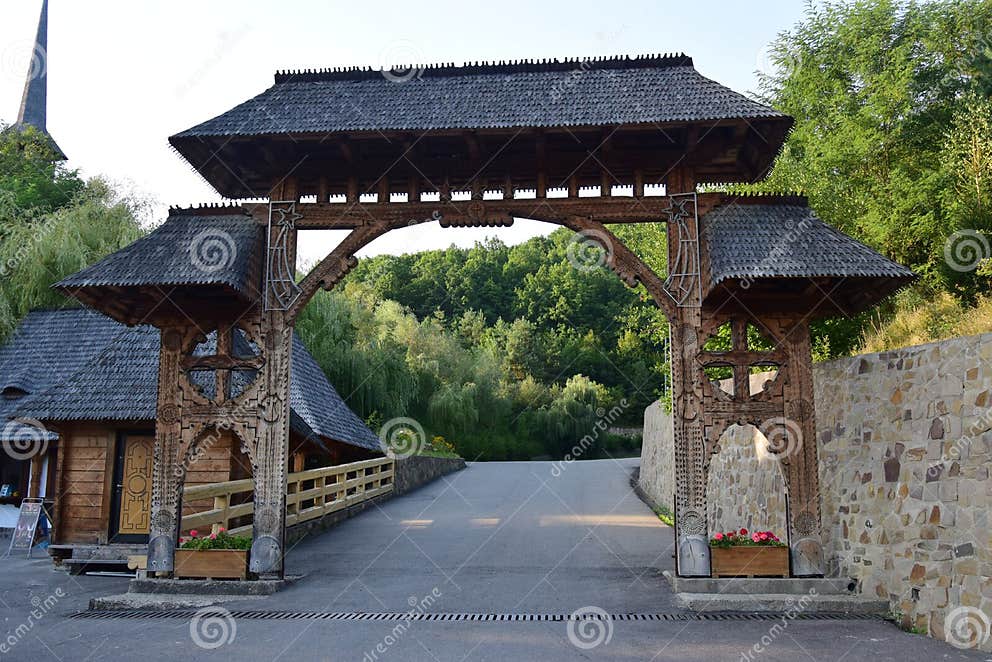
335,216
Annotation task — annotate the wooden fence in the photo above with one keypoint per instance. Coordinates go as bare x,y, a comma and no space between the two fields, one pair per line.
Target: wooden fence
309,495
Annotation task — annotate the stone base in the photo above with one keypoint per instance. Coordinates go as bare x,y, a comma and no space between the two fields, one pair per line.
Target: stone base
161,601
796,595
209,586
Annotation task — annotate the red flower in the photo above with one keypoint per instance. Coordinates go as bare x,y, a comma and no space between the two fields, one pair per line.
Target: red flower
192,533
743,532
213,536
718,536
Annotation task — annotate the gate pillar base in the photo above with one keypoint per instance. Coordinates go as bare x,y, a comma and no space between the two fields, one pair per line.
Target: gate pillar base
693,556
807,558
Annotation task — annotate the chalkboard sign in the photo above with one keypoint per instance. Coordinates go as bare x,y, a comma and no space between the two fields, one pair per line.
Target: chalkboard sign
27,524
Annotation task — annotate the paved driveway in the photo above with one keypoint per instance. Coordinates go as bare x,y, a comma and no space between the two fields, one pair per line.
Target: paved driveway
499,538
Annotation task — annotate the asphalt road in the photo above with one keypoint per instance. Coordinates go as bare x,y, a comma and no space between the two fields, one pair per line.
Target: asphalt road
508,538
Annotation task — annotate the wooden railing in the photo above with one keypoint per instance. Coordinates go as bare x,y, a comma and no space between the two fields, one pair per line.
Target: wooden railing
309,495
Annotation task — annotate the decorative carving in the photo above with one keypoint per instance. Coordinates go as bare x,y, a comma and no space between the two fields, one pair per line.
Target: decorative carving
807,524
683,284
281,290
692,522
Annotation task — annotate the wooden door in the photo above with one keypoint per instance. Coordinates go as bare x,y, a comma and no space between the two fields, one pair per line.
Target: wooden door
134,485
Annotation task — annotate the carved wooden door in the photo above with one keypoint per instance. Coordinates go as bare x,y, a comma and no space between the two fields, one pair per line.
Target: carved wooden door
134,486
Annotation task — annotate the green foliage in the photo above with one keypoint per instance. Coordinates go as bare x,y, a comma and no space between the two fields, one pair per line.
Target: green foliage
469,385
922,317
221,540
893,134
51,225
30,176
529,306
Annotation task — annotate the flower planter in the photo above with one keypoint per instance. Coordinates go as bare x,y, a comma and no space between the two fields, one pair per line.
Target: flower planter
211,563
749,561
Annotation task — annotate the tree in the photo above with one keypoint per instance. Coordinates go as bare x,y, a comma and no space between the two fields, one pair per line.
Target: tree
31,176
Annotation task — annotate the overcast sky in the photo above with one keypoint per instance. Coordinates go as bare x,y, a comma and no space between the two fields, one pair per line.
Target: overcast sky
126,74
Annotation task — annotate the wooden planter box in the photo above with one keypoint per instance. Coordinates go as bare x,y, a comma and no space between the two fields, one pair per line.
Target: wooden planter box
211,563
743,561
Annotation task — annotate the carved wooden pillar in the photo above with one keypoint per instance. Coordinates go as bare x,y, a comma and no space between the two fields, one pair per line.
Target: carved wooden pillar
693,552
684,284
272,435
800,457
167,472
272,448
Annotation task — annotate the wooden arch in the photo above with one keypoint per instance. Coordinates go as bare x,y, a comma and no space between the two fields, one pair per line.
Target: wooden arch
262,414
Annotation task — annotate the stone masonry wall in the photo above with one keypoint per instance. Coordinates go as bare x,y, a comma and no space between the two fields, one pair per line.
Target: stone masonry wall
905,445
905,441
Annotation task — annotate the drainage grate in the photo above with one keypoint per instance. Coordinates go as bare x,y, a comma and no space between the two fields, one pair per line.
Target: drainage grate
518,617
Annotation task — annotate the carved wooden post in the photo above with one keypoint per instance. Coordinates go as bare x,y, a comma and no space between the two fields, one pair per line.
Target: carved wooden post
693,552
684,284
800,456
167,472
272,436
272,448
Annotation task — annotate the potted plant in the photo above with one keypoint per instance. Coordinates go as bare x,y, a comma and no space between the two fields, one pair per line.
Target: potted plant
216,556
740,554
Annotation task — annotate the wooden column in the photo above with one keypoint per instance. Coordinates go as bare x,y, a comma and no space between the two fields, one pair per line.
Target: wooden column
272,449
692,547
167,472
272,434
800,457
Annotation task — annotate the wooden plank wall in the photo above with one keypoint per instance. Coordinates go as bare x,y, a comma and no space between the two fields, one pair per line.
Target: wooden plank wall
85,475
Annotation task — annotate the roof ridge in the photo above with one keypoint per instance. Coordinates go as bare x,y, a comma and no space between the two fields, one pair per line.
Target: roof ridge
443,69
209,209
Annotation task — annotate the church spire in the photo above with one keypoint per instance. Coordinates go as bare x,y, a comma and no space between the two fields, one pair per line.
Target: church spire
34,102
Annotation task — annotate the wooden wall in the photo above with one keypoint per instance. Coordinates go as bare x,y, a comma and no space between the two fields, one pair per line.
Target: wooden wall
85,466
83,479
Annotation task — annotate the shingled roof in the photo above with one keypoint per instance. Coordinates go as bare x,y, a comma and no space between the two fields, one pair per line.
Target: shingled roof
752,241
79,365
590,92
217,251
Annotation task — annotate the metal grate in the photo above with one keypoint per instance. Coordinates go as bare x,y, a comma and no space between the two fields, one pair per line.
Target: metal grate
514,617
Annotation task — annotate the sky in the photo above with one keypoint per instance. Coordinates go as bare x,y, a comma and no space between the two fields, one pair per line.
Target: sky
123,75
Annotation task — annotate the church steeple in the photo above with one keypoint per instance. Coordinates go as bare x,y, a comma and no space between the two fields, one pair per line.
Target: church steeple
34,102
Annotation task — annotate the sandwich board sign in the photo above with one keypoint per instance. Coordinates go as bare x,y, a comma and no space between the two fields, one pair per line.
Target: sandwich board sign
27,525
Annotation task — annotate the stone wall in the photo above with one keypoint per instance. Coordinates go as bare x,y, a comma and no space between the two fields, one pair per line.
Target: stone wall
412,472
657,472
745,486
905,442
904,463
